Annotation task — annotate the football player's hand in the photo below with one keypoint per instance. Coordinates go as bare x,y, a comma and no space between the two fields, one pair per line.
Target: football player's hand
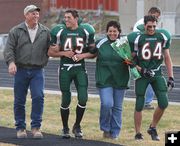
69,54
78,57
75,58
147,73
129,63
170,83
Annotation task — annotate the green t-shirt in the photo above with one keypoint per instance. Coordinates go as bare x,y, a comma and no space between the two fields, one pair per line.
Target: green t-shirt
110,68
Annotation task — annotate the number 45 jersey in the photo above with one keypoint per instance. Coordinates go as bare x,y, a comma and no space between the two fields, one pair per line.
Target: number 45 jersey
149,48
76,40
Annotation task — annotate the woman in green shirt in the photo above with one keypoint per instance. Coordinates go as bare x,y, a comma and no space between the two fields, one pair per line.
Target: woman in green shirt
112,76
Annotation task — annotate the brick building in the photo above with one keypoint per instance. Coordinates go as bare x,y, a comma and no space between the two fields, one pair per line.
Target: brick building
12,12
106,5
128,11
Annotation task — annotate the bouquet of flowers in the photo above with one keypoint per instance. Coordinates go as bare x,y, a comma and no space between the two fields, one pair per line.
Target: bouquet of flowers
121,46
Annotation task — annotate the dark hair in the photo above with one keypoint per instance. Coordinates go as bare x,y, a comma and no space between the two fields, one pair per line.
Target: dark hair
153,10
148,18
73,12
115,24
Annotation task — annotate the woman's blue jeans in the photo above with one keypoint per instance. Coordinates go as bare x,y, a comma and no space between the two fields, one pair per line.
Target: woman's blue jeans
34,80
111,110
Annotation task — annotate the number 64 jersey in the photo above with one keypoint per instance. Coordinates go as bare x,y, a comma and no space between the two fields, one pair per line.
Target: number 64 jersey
149,48
76,40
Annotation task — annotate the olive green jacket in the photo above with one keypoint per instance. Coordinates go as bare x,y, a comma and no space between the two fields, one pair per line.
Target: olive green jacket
22,51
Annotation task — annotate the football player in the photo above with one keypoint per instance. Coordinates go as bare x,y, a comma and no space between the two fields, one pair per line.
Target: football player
139,26
150,48
72,41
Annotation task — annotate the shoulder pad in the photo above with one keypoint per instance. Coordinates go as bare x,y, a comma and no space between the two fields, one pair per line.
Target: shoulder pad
56,28
133,35
165,32
88,27
141,27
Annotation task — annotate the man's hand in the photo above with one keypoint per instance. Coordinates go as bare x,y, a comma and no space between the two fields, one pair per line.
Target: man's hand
170,83
12,68
147,73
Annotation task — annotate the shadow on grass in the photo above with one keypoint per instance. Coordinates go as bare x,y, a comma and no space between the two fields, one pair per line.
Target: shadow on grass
8,135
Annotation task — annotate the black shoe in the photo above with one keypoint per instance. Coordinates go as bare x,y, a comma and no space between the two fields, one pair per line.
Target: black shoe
65,133
148,107
77,131
139,136
152,131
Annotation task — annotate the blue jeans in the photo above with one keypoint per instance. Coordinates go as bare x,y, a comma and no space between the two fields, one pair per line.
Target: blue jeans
24,79
111,110
149,95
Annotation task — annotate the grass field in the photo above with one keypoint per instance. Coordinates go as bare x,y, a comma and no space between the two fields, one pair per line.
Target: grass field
52,123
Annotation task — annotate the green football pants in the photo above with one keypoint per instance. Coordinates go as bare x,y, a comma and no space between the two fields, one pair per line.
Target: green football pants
159,86
79,76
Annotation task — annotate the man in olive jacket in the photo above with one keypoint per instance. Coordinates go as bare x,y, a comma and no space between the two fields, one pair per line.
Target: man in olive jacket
26,55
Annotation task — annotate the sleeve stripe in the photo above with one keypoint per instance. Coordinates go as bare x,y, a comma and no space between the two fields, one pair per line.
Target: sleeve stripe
58,36
101,42
165,40
136,43
87,35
